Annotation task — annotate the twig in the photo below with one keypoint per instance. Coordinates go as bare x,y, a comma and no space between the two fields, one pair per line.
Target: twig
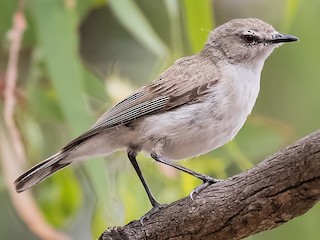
15,37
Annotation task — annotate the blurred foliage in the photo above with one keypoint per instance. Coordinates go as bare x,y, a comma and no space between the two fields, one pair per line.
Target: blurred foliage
80,57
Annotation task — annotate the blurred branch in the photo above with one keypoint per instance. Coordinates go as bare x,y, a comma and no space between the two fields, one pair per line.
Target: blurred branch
15,37
11,146
284,186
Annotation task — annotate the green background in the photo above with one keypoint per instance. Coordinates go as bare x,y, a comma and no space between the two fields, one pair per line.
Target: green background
80,57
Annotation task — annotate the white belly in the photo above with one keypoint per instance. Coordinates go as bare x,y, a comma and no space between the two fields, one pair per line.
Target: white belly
191,131
198,128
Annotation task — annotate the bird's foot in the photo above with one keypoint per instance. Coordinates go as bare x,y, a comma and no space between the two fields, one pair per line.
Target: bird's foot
156,208
207,180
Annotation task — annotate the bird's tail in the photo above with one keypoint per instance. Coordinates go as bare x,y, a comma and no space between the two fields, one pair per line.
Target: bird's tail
41,171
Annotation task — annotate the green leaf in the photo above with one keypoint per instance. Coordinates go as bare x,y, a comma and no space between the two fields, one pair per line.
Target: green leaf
56,28
290,12
199,19
131,17
6,12
93,86
61,197
175,27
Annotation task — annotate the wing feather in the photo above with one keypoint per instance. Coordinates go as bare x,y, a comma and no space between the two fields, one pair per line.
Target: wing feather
186,82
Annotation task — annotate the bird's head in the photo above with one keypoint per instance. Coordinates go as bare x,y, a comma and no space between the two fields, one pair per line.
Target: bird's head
244,40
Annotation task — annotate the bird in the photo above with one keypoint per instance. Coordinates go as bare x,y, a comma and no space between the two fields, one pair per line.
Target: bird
197,105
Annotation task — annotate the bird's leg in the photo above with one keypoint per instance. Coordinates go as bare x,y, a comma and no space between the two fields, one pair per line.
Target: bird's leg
207,180
132,153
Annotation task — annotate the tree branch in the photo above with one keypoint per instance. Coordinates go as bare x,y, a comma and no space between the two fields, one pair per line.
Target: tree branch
278,189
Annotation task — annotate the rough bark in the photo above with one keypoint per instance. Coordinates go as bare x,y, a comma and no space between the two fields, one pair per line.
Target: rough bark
284,186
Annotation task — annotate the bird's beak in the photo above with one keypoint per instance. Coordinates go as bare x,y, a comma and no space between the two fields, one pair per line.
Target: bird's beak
281,38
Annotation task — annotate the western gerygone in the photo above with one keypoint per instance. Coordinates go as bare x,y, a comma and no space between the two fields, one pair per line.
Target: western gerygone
198,104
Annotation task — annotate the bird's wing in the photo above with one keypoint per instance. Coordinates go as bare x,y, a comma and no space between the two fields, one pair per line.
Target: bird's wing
183,83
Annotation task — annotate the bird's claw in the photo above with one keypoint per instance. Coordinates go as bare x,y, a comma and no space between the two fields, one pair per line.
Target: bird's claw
154,210
207,180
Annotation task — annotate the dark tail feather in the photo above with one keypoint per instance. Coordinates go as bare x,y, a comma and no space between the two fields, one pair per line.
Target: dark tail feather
40,172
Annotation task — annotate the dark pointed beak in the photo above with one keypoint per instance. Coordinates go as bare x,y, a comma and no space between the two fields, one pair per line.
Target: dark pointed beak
282,38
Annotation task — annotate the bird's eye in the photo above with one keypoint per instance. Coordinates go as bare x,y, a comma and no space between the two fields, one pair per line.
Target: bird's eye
249,38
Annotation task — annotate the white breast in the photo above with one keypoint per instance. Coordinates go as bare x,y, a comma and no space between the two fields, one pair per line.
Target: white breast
198,128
